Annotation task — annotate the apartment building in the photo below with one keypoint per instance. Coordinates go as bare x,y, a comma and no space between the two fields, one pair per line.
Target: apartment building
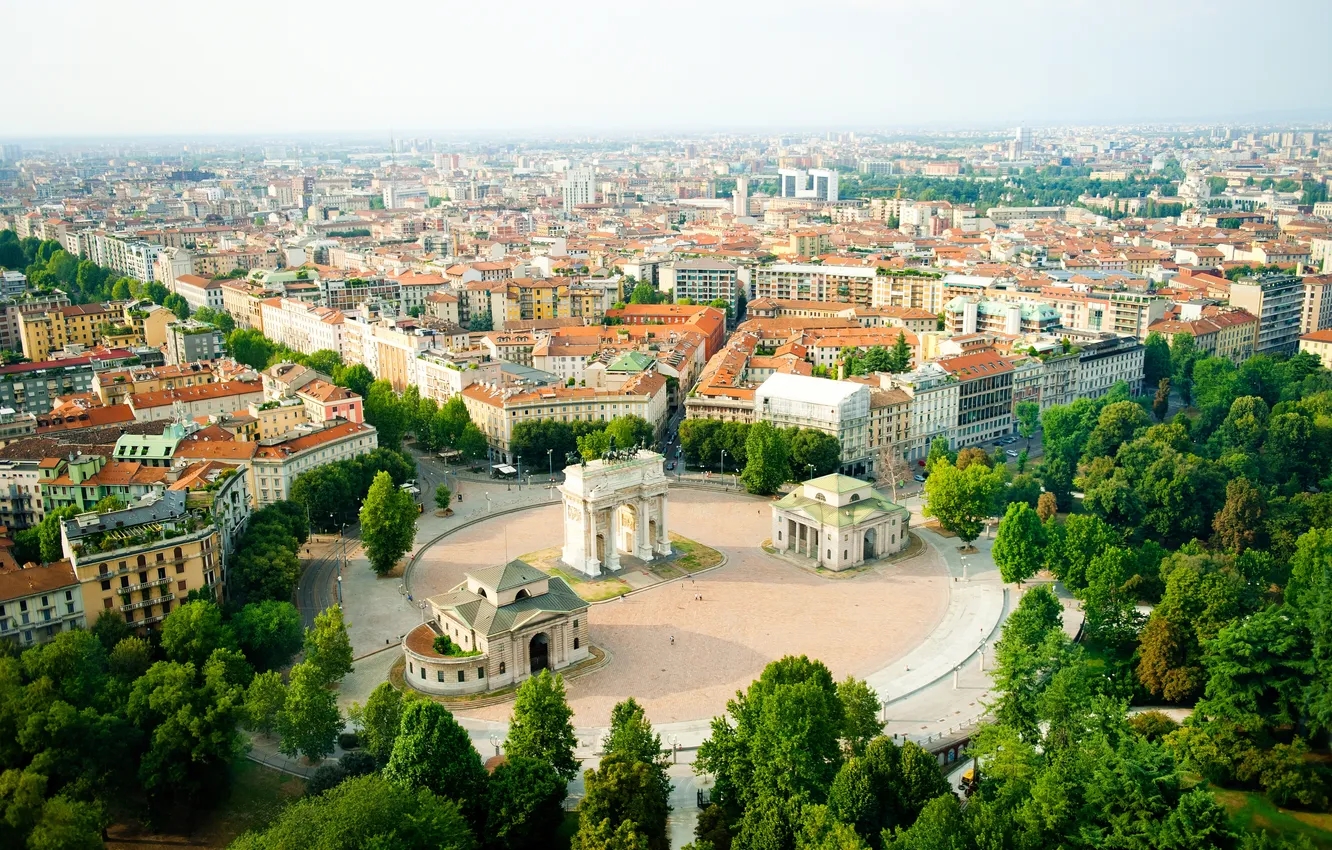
1319,344
28,303
810,282
969,315
213,399
935,395
200,292
243,301
115,386
193,341
985,396
527,299
442,375
916,288
1131,314
34,387
276,464
38,601
703,281
325,402
1278,300
21,503
839,408
77,324
1316,312
302,327
708,321
144,561
389,348
1104,360
1216,331
496,410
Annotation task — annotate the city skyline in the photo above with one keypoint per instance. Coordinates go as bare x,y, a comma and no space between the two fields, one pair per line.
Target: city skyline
687,67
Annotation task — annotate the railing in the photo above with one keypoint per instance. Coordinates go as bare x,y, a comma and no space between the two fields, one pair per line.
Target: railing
144,603
146,584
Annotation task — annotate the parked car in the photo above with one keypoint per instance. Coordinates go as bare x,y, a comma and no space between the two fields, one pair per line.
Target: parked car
1012,452
670,465
920,476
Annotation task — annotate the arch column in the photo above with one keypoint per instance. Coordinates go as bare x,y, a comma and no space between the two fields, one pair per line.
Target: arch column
662,545
642,520
613,539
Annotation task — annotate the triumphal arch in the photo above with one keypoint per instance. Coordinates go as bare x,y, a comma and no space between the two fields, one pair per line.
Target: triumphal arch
614,504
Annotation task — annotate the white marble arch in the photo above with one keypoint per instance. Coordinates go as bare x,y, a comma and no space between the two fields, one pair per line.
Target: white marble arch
614,506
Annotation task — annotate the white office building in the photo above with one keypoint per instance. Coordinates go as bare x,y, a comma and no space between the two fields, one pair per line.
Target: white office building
580,187
839,408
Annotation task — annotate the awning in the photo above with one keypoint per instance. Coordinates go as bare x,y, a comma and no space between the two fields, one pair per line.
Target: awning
505,469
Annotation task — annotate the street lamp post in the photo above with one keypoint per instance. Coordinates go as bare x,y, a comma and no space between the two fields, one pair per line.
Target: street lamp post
339,590
550,461
810,467
723,464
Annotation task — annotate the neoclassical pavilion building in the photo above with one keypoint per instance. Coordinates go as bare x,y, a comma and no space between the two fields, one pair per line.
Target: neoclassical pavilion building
508,622
838,522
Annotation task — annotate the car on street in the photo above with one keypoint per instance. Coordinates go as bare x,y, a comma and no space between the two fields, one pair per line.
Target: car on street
1012,452
670,465
920,476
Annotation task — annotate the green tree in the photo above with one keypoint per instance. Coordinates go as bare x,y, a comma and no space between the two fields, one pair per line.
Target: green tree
388,523
327,647
268,632
443,497
356,378
1156,365
309,722
1029,419
1240,522
900,359
525,804
940,826
251,347
265,699
48,532
189,717
540,727
385,411
433,752
781,738
768,459
960,499
365,812
1161,401
811,447
192,631
1183,354
1019,543
379,720
860,707
1118,424
621,792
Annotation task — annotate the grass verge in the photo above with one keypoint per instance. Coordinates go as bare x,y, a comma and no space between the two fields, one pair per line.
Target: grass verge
1251,811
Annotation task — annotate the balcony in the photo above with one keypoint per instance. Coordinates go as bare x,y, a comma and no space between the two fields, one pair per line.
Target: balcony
144,603
146,585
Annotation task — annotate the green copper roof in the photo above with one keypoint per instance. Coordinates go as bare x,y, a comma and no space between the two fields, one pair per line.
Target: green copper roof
837,483
504,577
630,361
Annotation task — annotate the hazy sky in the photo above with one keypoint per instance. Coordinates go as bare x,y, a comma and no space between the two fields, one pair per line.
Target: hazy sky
285,67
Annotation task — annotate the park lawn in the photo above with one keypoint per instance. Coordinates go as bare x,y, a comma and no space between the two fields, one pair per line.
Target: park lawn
694,556
258,795
1251,811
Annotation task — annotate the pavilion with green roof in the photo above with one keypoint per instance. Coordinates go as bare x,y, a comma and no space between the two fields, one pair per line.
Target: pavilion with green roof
838,523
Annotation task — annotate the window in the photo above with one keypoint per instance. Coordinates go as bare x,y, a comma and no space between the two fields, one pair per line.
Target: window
411,668
576,643
480,672
106,603
106,584
180,568
462,676
439,675
501,668
422,672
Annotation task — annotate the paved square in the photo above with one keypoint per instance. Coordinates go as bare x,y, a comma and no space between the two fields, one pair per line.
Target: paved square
754,610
